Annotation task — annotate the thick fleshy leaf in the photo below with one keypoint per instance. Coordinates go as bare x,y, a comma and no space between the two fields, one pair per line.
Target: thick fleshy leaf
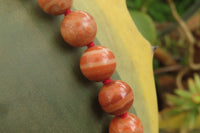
197,81
174,100
145,25
192,86
183,93
41,86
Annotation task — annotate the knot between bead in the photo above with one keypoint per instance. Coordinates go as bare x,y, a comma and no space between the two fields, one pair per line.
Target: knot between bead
67,12
90,45
124,115
107,81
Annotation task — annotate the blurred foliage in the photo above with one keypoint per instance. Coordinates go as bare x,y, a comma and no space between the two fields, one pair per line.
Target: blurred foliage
187,101
159,9
174,47
145,25
176,131
184,113
146,12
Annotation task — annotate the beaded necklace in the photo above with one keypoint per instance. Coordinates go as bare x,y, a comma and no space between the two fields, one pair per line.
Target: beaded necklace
97,64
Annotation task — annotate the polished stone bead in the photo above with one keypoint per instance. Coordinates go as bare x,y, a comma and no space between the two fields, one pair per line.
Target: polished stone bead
129,124
55,7
116,97
78,28
97,63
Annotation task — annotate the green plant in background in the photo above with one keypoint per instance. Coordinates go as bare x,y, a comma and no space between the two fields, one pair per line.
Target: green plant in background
148,13
187,101
142,20
145,25
159,9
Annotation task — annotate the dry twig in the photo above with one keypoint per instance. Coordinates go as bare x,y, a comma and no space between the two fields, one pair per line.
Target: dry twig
191,42
164,57
179,77
168,69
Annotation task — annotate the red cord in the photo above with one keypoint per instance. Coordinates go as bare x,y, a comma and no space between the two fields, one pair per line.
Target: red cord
107,81
67,12
91,45
124,115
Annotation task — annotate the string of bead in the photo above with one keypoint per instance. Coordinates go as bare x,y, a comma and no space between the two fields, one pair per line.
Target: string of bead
67,12
124,115
91,45
107,81
97,64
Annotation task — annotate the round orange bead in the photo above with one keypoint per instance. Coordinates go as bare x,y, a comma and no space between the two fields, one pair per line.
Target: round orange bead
129,124
78,28
98,63
116,97
55,7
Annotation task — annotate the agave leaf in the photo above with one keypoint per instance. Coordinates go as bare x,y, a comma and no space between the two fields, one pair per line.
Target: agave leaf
41,86
122,36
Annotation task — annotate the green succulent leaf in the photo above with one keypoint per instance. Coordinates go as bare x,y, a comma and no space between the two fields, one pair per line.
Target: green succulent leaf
197,82
196,98
145,25
183,93
190,118
174,111
189,105
172,99
192,86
